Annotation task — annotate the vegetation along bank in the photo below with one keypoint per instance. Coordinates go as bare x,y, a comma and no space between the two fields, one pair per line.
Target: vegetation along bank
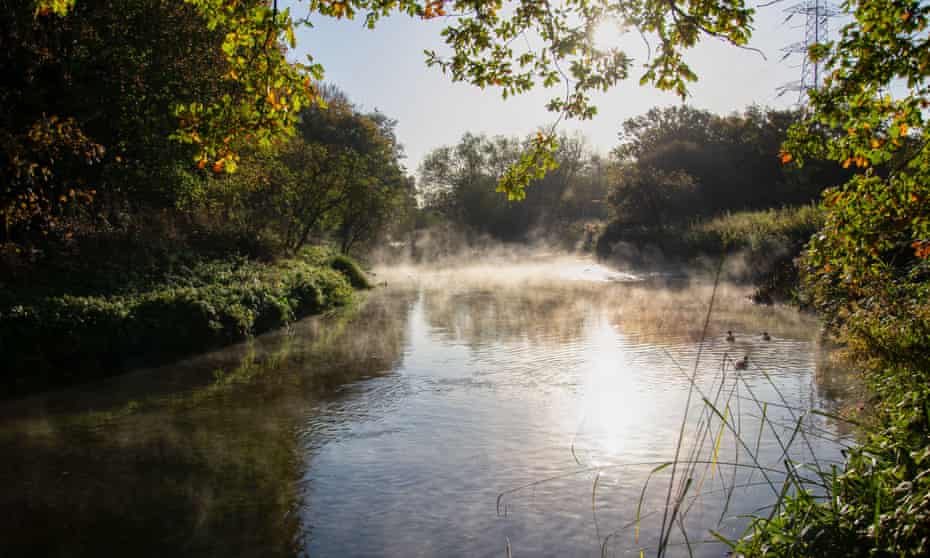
55,339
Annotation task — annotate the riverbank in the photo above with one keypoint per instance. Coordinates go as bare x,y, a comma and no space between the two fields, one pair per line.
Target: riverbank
761,246
81,328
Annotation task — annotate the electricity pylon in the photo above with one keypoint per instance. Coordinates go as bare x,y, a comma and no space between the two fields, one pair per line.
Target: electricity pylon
817,15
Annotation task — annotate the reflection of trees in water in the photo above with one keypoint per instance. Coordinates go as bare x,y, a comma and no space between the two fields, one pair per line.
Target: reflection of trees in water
510,313
210,469
840,387
557,311
669,314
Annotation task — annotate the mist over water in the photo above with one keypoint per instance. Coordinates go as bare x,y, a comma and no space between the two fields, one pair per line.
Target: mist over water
459,409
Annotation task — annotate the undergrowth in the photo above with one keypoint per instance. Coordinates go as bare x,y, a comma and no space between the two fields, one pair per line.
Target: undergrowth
50,338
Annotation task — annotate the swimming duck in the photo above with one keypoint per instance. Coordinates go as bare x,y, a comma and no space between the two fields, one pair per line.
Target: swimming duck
766,336
730,337
742,363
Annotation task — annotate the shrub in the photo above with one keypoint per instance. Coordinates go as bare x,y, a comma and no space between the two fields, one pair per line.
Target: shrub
351,270
60,339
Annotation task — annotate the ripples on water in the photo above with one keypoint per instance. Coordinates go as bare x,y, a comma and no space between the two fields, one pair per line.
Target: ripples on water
446,416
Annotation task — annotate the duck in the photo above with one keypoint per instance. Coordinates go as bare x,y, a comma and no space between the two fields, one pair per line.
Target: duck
730,337
766,336
742,363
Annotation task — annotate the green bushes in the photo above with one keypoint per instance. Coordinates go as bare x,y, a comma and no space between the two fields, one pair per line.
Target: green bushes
350,269
868,274
62,339
879,504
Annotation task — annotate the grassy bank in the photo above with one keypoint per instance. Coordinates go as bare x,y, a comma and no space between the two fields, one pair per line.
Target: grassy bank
763,245
53,336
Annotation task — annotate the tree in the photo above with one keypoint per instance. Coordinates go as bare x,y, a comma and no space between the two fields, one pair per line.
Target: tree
459,182
868,267
340,176
150,85
483,51
652,197
732,162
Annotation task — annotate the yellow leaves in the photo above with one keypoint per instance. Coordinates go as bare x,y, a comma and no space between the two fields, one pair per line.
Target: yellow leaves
785,157
434,8
218,166
339,9
903,128
860,162
201,164
851,131
905,16
876,143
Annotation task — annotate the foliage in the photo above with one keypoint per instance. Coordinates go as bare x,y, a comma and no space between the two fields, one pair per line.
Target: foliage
879,505
866,271
680,163
208,305
267,91
760,230
351,270
340,177
458,182
150,86
762,237
651,196
878,225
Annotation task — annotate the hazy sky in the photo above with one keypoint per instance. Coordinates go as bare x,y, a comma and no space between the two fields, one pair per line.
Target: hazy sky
384,68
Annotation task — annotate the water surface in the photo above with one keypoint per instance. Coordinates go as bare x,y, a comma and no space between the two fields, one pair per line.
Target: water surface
456,412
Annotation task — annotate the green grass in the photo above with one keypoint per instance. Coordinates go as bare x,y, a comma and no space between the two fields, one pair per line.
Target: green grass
758,230
50,338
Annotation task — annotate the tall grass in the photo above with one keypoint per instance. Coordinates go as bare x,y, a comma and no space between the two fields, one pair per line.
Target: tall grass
757,230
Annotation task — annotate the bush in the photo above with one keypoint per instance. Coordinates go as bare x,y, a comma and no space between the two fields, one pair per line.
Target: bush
868,274
62,339
351,270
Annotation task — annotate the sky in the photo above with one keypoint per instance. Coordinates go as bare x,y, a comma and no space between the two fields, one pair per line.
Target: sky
384,69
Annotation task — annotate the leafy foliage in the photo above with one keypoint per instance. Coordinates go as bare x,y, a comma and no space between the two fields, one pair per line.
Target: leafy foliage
351,270
211,304
867,272
682,163
459,182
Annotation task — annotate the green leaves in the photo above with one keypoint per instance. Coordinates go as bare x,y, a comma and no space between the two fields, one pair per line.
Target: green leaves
534,163
264,92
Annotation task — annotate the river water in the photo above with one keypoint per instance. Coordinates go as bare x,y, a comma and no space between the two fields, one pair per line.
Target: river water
479,410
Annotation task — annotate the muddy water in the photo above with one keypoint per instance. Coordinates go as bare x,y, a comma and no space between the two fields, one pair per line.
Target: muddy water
459,412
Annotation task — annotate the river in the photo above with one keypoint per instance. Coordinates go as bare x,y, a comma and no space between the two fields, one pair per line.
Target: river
490,409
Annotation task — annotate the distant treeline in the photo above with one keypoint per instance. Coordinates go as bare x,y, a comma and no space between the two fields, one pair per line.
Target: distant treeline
457,185
672,167
682,164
